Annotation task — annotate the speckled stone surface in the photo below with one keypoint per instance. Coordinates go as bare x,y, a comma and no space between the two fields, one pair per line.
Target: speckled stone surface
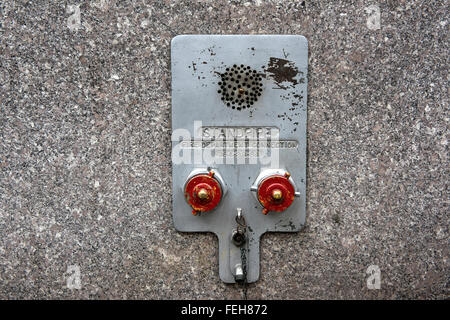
85,173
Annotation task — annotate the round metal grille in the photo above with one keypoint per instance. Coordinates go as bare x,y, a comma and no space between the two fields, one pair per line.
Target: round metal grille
240,86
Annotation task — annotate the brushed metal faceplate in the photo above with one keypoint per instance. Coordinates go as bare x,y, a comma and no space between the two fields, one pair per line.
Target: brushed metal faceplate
198,65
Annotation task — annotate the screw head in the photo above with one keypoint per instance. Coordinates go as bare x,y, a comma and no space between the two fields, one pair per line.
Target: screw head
203,194
238,238
277,194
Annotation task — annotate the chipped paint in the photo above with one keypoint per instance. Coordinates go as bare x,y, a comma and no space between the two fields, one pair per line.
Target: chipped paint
282,71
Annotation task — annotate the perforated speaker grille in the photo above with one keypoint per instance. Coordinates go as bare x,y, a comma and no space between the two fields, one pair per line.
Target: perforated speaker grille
240,86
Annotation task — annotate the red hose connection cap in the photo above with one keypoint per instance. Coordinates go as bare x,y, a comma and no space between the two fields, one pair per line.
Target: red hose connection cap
276,193
203,192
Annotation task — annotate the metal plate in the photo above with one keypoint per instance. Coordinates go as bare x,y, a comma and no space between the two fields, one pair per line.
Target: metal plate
197,62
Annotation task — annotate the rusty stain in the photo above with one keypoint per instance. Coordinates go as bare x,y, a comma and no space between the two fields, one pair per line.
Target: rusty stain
282,70
284,73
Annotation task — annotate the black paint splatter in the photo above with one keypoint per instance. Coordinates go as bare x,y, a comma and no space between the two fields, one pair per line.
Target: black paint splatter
282,70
